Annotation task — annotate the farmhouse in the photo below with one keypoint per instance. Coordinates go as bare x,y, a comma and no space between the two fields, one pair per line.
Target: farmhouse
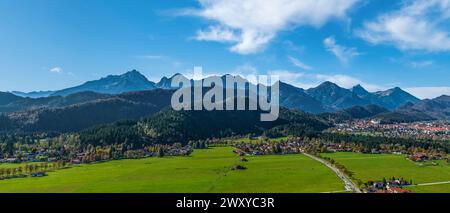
12,160
37,174
75,161
419,157
379,185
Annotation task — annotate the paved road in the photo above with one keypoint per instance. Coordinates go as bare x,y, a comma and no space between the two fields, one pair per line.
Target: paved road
349,185
429,184
340,191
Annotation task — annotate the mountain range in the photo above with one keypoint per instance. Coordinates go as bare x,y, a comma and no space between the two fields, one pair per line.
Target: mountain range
76,112
327,97
428,109
356,112
111,84
132,96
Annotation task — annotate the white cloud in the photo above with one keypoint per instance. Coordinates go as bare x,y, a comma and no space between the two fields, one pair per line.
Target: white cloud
428,92
296,62
417,25
299,79
344,54
341,80
294,47
155,57
421,64
244,71
152,57
251,24
348,81
306,80
412,63
293,78
217,33
56,70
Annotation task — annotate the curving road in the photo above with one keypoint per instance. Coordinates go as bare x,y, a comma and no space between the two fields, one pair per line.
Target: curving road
349,185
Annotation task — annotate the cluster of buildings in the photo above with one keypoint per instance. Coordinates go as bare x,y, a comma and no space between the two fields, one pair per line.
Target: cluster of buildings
49,155
393,185
435,130
265,148
178,151
423,156
41,155
336,147
297,145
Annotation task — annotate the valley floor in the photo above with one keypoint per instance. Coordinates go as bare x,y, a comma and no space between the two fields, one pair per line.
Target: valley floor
430,177
209,170
206,170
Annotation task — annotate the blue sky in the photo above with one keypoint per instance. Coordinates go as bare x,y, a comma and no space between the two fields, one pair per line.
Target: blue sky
53,44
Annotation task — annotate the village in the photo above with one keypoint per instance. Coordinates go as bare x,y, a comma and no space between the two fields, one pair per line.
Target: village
294,145
41,155
37,162
393,185
90,154
267,147
431,130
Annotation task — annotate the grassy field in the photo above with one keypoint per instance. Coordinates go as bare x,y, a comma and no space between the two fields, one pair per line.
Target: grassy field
205,171
374,167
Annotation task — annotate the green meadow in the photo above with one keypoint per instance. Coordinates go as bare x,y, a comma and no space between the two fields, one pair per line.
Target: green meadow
441,188
206,170
376,166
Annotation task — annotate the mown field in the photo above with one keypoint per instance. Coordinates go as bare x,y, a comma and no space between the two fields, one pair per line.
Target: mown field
205,171
374,167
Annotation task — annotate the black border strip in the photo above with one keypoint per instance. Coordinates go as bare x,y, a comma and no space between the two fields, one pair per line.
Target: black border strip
127,202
